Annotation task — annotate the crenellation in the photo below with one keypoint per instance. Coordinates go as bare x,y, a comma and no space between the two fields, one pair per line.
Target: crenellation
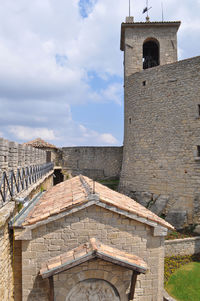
13,155
21,155
4,154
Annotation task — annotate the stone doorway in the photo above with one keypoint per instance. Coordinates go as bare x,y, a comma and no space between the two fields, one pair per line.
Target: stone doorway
58,176
93,290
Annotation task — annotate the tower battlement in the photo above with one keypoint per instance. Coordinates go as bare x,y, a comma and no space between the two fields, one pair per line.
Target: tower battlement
148,44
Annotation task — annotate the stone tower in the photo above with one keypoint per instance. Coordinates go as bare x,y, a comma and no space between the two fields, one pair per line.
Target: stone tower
148,44
161,153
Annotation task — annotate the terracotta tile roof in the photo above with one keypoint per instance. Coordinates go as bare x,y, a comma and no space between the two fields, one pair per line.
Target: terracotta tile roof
79,190
39,143
88,251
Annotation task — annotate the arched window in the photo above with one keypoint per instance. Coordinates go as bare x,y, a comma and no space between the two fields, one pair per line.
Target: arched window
151,57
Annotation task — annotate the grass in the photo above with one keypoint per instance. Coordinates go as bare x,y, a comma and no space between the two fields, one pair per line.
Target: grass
184,283
112,184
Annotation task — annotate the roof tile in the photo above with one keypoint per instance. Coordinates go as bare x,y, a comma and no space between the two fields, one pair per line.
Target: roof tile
92,249
76,191
39,143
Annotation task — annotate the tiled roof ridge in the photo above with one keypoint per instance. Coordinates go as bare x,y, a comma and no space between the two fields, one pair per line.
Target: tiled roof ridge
79,191
85,185
153,217
93,248
39,142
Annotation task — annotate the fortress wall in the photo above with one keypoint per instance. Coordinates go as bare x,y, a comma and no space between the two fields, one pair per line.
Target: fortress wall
6,253
14,155
94,162
161,167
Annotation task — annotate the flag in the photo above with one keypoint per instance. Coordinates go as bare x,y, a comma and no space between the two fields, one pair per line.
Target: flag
145,10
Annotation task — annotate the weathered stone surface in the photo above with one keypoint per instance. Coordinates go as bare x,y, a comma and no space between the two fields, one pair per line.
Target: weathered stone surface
159,204
197,229
93,290
94,162
144,198
177,218
161,135
186,246
6,254
110,228
134,37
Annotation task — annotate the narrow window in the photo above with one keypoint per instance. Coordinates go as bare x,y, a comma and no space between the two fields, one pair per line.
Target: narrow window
150,54
199,110
129,120
198,150
144,83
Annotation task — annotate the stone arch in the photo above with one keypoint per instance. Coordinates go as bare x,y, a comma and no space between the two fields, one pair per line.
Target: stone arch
151,53
93,289
114,280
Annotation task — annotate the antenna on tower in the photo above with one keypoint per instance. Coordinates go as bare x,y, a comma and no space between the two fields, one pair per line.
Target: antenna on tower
162,12
146,10
129,8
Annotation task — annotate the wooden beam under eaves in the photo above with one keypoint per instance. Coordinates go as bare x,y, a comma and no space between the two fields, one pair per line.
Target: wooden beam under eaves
133,284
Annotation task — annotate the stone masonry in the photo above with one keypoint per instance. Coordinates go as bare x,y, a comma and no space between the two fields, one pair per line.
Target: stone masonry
112,229
180,247
133,35
13,156
94,162
161,161
6,255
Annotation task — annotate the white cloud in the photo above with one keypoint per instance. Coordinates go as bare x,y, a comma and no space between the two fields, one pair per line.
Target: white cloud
27,133
108,139
98,138
47,52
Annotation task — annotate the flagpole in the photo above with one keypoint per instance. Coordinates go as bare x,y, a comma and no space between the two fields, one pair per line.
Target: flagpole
147,8
129,8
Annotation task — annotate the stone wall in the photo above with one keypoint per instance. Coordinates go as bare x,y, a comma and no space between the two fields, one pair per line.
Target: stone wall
161,163
112,229
186,246
6,254
14,155
94,162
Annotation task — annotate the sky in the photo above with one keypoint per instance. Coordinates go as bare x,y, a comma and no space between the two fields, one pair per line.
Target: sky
61,68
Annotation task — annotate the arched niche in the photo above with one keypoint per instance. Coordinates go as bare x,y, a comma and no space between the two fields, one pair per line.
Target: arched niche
93,290
151,53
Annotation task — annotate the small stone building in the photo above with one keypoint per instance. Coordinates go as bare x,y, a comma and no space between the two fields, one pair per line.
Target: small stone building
83,241
51,149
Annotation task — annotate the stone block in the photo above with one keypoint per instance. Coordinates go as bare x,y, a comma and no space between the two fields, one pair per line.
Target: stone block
159,204
178,218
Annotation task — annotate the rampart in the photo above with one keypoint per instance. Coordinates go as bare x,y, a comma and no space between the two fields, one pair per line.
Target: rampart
161,161
12,157
94,162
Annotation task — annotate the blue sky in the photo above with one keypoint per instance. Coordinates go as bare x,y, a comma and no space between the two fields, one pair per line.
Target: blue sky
61,69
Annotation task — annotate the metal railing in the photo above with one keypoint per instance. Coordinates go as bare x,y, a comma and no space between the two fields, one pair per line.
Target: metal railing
13,183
